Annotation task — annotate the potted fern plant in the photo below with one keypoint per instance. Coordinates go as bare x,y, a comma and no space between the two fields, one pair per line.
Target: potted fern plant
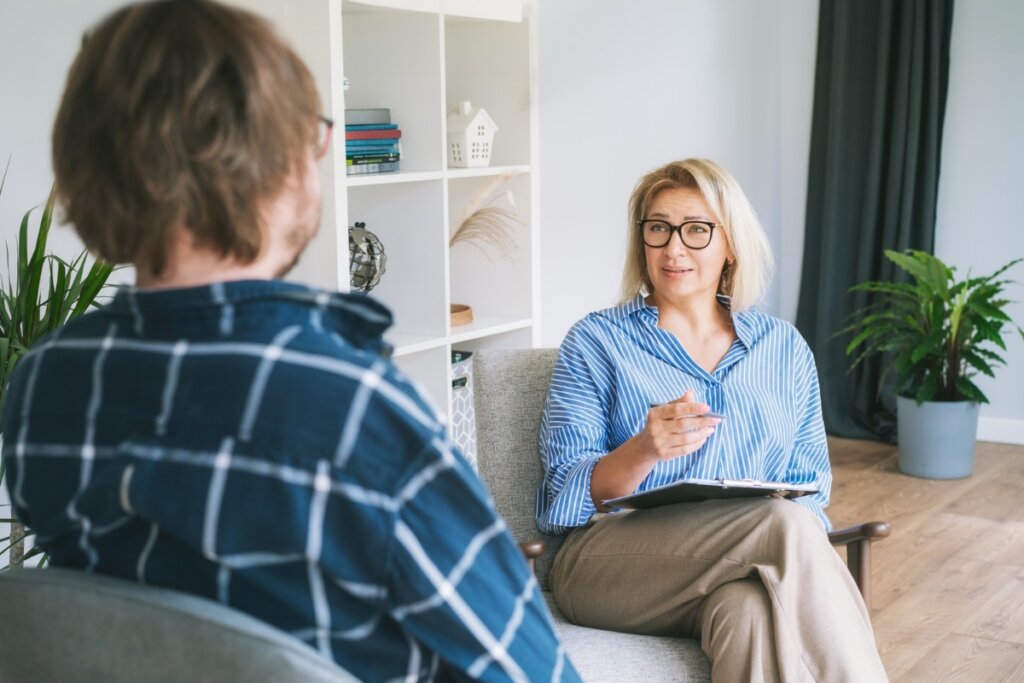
40,294
938,334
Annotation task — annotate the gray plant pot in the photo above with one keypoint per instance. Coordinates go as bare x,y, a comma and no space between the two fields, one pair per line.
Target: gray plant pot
936,438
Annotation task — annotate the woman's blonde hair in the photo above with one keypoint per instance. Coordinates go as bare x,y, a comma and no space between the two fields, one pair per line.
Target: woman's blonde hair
746,278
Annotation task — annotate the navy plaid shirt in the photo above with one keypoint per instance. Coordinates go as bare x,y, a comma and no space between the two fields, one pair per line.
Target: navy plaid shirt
250,442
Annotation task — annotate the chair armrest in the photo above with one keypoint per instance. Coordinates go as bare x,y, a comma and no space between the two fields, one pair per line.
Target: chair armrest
532,550
857,540
868,531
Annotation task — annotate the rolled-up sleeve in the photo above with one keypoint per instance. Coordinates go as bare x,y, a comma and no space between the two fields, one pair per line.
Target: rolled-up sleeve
809,461
574,432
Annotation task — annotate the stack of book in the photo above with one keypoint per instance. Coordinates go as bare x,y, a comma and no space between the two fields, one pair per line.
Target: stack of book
372,142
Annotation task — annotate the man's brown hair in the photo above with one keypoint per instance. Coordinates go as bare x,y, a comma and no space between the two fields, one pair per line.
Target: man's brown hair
179,112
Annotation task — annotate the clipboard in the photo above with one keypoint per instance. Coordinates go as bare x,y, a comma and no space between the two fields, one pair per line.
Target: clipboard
696,490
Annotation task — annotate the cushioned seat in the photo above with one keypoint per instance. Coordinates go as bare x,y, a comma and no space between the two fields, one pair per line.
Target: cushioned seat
611,657
510,389
69,626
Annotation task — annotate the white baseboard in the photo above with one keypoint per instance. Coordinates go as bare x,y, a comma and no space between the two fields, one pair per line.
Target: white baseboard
1001,430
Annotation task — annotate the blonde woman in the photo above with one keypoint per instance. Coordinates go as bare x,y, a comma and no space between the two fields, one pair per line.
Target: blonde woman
757,581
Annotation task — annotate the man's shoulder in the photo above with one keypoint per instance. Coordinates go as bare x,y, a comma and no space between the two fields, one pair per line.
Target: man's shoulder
300,373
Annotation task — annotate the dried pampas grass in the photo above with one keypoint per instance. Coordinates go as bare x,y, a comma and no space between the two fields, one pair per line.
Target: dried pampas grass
483,224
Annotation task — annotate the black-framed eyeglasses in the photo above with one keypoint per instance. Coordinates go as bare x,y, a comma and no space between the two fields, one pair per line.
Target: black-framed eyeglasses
324,127
694,234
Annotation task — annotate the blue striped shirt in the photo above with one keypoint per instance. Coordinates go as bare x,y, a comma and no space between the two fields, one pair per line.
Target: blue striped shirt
614,363
250,442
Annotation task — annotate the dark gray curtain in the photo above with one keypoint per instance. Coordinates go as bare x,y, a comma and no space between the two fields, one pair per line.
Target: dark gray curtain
879,102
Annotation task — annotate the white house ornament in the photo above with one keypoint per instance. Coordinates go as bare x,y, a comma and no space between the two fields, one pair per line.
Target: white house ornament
470,136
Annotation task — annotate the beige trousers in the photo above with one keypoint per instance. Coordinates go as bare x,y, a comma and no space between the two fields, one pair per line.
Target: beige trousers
756,581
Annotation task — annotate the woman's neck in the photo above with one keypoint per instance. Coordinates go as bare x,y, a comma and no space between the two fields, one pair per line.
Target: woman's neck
694,319
703,327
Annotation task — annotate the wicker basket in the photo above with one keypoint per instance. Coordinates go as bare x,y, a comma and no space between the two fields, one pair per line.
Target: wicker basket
461,314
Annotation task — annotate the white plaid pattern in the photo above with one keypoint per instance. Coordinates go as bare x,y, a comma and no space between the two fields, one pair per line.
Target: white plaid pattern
248,442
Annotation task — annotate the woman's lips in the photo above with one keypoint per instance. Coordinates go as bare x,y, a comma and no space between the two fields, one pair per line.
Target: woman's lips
672,271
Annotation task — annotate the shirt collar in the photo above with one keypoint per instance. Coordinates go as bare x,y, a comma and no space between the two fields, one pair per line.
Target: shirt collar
746,330
637,304
744,322
129,297
362,319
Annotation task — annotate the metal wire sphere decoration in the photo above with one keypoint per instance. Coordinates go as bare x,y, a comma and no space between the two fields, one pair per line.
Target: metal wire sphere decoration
367,261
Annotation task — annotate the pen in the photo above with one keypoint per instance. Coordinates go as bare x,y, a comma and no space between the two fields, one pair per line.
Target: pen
708,414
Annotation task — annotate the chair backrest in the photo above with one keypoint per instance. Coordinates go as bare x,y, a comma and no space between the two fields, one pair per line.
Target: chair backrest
66,625
510,388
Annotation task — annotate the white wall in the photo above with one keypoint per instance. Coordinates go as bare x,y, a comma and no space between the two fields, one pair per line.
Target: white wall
38,40
980,223
625,87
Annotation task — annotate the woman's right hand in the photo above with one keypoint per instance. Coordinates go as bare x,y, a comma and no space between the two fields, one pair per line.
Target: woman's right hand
675,429
672,430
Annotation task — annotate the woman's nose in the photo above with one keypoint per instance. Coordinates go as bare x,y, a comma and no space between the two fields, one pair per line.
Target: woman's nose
675,243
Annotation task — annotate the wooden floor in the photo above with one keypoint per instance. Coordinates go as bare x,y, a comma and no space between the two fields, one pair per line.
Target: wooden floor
949,583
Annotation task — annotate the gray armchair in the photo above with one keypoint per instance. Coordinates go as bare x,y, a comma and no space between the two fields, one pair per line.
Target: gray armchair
69,626
510,389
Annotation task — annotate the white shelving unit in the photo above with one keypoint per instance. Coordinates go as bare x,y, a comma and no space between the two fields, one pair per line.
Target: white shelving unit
420,58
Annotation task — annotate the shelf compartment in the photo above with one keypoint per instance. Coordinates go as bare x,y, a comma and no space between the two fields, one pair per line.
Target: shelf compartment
408,218
430,370
497,287
392,60
487,63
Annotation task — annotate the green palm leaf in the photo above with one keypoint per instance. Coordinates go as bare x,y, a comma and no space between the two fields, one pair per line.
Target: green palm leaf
37,297
934,332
